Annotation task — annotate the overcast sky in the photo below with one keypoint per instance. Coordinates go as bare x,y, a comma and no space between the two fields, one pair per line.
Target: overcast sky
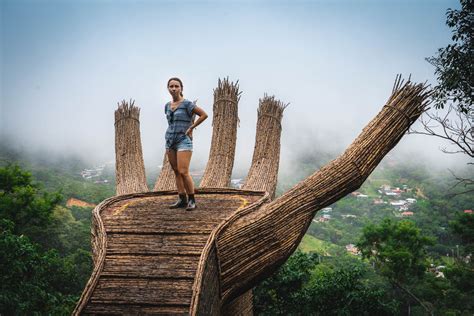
66,64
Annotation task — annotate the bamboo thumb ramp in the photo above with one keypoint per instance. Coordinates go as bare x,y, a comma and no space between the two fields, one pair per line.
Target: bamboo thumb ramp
253,243
150,259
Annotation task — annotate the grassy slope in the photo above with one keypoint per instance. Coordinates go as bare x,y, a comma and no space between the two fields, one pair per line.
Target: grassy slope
313,244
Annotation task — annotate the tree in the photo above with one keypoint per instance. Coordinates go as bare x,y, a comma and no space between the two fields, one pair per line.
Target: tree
454,64
463,227
302,286
32,281
398,252
283,293
35,278
22,203
454,69
461,273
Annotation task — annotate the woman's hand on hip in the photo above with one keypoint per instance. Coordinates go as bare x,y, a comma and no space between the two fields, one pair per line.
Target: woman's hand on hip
189,132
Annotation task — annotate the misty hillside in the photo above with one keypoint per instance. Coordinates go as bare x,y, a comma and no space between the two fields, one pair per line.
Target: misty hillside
327,263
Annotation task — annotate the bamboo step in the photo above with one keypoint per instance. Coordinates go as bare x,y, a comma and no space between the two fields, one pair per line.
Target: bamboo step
155,244
135,309
139,266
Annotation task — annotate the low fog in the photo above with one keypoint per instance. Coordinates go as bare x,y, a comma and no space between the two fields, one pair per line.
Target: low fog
65,67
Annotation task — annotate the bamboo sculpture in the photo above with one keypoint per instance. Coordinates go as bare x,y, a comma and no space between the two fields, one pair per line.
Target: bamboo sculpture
263,174
253,243
151,259
166,180
224,135
129,165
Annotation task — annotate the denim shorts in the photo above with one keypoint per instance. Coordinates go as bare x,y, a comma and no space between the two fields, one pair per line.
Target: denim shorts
184,143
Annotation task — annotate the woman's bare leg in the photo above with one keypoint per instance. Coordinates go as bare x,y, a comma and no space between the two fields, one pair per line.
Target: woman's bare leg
183,159
172,158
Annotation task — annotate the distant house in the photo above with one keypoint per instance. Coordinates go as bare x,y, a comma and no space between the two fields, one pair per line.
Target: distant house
407,214
398,203
404,208
362,196
352,249
390,193
378,201
468,211
323,219
327,209
397,190
411,201
237,183
327,216
348,216
101,181
91,173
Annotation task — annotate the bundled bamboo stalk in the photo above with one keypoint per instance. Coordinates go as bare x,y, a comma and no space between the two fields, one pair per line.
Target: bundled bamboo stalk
263,172
252,244
166,180
129,165
224,135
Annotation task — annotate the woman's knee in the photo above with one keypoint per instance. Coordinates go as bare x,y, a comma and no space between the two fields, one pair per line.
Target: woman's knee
183,172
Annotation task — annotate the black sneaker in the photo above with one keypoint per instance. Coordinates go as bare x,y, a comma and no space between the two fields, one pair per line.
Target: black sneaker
191,205
180,203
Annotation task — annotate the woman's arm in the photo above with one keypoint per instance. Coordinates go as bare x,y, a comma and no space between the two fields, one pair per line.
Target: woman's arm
202,116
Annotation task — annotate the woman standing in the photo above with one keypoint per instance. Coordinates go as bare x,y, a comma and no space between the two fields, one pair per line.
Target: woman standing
179,141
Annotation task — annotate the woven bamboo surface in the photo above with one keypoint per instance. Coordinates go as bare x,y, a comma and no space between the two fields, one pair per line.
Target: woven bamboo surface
263,173
252,244
148,254
266,158
224,135
166,180
129,165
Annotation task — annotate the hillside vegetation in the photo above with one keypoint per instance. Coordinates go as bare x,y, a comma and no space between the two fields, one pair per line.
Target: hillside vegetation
45,254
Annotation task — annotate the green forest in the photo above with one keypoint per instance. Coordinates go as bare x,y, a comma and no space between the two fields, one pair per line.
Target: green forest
359,256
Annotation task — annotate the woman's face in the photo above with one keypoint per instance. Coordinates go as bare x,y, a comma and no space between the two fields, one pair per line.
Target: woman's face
174,88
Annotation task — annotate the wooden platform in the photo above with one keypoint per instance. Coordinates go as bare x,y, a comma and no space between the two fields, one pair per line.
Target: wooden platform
152,251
